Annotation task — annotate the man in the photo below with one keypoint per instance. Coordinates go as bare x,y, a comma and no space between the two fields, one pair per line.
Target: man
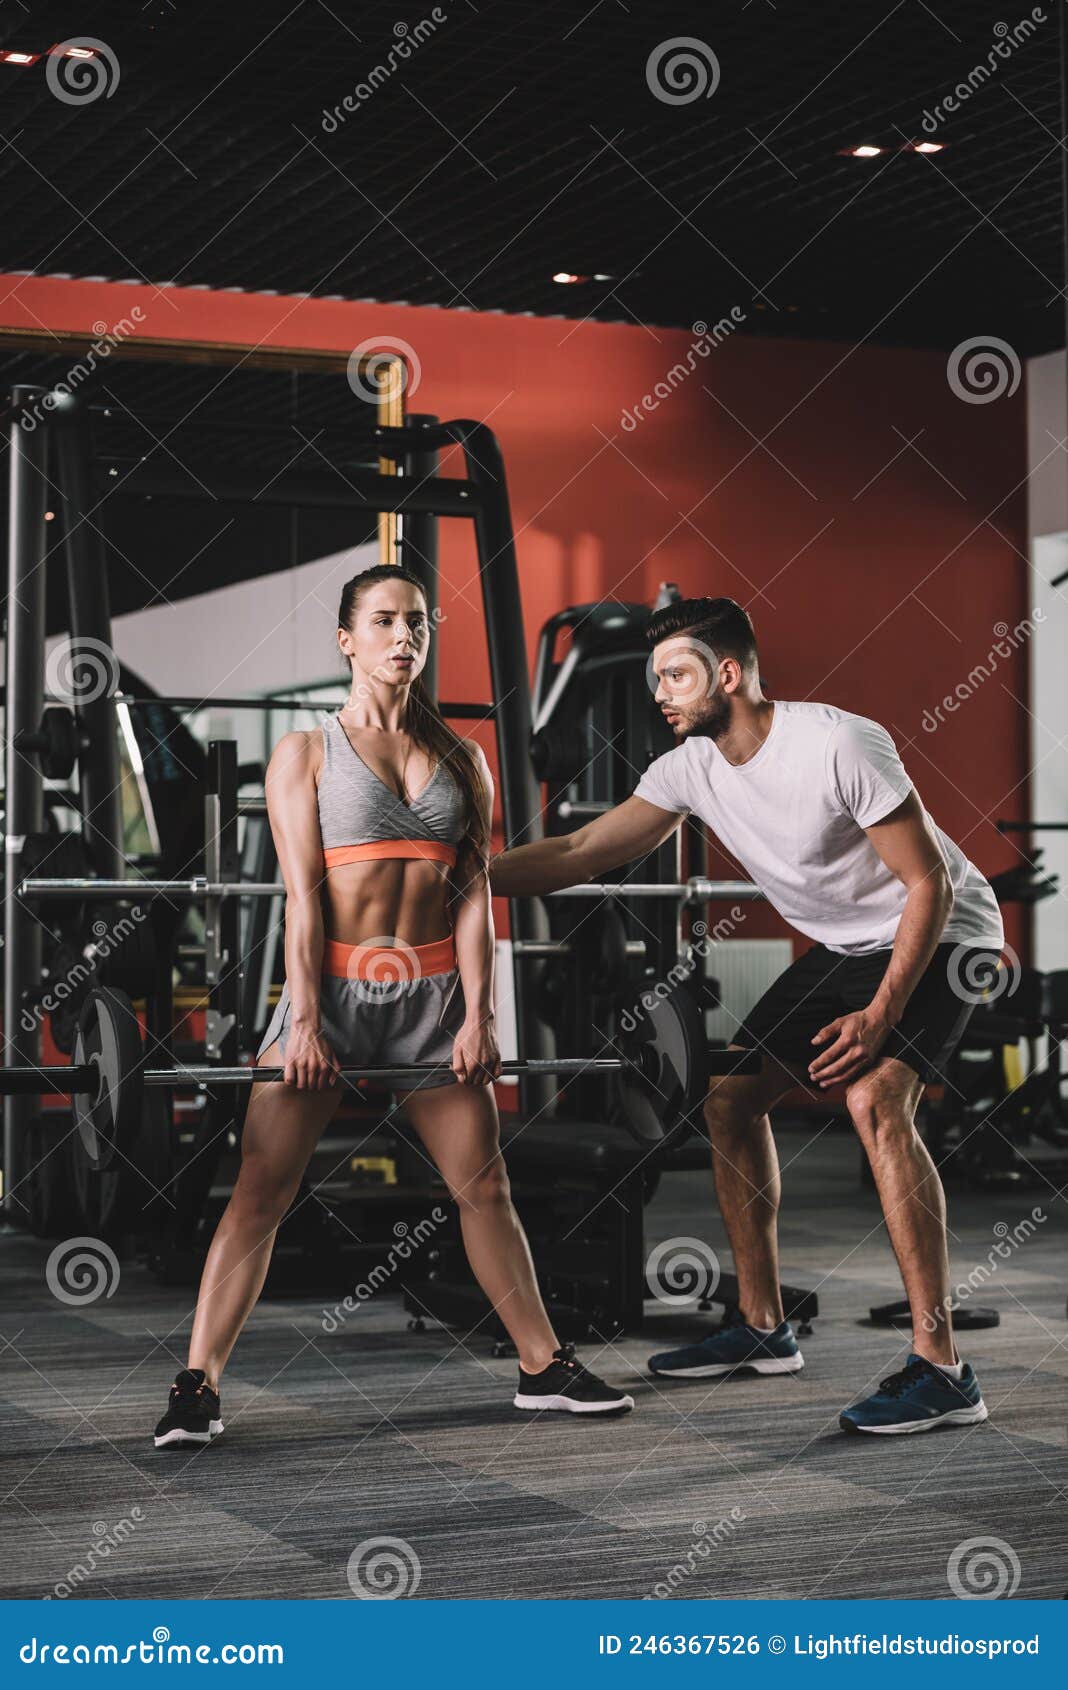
815,804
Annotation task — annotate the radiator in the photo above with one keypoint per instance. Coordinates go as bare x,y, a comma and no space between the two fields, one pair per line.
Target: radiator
745,968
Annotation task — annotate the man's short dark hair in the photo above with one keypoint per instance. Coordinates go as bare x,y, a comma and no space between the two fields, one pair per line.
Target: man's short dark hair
719,623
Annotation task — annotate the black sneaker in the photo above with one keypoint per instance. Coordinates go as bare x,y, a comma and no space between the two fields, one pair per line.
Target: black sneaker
192,1415
565,1384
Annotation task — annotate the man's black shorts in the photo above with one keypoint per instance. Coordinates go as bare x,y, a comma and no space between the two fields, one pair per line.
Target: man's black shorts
822,985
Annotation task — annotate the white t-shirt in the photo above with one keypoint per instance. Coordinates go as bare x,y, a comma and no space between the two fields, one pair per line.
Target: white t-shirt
794,816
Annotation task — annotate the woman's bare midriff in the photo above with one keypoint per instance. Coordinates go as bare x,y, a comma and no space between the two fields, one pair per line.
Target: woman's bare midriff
387,898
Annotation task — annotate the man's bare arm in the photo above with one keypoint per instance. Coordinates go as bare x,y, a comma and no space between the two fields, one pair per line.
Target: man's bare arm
907,847
630,830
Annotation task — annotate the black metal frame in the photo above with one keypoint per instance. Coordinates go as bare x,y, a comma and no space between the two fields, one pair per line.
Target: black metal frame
28,465
418,494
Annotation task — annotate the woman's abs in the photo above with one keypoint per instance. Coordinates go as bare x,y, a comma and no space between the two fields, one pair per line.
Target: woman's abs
390,898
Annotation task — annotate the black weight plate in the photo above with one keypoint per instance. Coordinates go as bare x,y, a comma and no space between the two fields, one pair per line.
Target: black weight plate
663,1088
109,1039
967,1317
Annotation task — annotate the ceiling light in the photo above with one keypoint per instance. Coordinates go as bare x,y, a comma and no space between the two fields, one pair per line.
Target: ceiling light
11,58
566,276
863,151
925,147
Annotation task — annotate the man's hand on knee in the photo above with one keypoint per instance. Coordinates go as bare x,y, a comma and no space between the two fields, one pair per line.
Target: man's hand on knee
858,1039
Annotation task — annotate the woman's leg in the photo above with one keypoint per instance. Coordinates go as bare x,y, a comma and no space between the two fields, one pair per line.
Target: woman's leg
460,1129
282,1127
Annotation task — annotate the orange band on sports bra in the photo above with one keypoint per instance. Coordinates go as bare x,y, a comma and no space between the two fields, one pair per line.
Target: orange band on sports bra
430,850
388,964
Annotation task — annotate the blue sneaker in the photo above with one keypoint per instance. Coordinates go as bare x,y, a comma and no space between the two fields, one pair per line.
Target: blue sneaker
916,1399
736,1348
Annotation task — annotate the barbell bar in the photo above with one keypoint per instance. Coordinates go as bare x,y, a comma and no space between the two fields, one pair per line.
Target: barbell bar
534,948
661,1071
76,1078
85,1077
696,890
208,1075
89,888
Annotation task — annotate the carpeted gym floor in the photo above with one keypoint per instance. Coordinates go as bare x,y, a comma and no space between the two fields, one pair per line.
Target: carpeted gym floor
738,1489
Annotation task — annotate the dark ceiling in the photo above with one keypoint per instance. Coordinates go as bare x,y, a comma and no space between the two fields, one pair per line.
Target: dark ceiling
522,137
204,425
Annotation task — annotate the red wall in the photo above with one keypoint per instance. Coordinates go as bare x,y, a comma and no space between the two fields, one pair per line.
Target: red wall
777,472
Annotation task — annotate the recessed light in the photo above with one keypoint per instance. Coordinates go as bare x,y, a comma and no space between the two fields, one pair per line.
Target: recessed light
9,57
924,147
566,276
863,151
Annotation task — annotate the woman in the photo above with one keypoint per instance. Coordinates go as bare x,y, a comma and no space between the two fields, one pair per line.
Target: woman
381,819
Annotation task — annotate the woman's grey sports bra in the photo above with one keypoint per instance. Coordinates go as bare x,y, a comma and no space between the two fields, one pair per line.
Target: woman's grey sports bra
359,814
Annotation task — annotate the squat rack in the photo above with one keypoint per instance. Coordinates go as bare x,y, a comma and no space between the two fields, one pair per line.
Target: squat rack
60,449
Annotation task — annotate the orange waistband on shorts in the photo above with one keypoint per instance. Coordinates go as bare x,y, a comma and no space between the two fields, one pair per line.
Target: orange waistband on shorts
429,850
388,964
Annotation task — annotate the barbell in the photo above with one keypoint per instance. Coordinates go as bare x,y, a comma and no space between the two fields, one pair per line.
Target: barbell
660,1068
697,890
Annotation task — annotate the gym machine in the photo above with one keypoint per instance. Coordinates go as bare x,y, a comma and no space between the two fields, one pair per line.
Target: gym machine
583,1166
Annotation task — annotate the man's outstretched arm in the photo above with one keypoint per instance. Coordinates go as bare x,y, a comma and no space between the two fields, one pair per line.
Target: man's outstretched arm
631,830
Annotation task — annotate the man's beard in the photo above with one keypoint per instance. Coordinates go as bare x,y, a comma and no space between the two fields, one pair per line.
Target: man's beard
711,721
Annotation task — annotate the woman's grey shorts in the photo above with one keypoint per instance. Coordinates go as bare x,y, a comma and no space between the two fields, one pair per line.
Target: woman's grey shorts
377,1026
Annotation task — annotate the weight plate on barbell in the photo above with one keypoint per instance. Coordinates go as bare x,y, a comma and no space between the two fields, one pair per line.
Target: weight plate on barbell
661,1091
109,1039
